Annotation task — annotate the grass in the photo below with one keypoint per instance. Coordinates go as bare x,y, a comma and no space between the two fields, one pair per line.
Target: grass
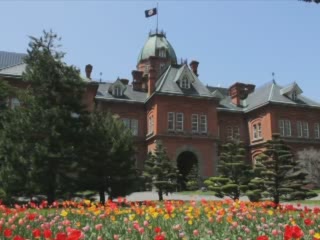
199,192
316,191
311,202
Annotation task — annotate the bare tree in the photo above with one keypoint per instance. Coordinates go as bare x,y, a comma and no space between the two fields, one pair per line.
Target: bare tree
310,160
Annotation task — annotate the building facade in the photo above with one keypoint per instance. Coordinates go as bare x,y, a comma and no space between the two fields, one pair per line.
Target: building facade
165,101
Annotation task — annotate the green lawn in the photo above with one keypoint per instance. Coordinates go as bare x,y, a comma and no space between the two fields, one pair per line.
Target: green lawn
201,193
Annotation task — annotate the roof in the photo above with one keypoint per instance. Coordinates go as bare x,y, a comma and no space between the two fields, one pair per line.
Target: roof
10,59
154,42
270,92
168,82
129,95
16,70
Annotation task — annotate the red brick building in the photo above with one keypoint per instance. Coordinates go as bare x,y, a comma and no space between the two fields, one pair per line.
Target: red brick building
166,101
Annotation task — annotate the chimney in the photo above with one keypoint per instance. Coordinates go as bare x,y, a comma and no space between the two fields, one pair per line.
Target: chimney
88,70
152,81
194,67
137,80
240,91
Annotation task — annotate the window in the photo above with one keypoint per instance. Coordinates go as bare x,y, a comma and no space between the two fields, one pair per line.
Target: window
134,127
170,121
184,83
305,129
194,122
203,123
285,128
14,102
233,132
257,131
302,129
132,124
316,130
179,121
146,68
150,124
294,95
162,53
117,91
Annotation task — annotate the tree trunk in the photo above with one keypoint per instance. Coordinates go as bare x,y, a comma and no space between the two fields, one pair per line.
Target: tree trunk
101,195
51,195
160,194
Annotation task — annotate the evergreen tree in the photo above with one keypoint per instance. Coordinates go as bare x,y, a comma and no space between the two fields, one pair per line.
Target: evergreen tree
159,171
50,119
280,173
107,157
193,178
233,172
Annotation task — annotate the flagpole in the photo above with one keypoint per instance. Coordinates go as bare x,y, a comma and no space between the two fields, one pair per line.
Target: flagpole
157,16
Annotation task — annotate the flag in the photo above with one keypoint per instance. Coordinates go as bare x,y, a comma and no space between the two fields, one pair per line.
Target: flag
150,12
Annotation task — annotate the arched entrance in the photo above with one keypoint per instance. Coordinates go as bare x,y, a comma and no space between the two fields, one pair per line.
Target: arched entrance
187,164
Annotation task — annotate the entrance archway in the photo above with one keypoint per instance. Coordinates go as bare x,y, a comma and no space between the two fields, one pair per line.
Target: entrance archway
187,164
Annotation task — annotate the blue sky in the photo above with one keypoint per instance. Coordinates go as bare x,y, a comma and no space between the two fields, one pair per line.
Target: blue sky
234,41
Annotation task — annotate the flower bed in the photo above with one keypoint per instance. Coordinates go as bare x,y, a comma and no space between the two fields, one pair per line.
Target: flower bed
153,220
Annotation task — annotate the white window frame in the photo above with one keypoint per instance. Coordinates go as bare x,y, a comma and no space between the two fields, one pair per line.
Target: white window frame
195,123
185,83
299,129
316,130
117,91
294,95
285,127
305,129
134,126
236,132
171,121
179,122
150,124
257,131
203,124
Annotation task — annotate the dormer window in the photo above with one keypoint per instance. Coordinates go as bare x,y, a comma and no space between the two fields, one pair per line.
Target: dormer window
162,53
294,95
185,83
117,91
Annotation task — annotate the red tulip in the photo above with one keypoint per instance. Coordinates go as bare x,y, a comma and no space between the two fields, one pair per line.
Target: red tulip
61,236
18,238
47,233
292,232
263,237
159,237
7,233
308,222
36,233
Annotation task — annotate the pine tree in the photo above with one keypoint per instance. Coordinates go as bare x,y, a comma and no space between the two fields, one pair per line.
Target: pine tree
107,157
233,172
51,120
159,171
280,173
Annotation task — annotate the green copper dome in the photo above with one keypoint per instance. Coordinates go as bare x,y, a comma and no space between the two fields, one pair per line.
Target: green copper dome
155,43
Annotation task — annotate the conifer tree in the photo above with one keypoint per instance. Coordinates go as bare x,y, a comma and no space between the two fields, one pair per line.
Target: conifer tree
233,172
50,120
159,171
280,174
107,157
